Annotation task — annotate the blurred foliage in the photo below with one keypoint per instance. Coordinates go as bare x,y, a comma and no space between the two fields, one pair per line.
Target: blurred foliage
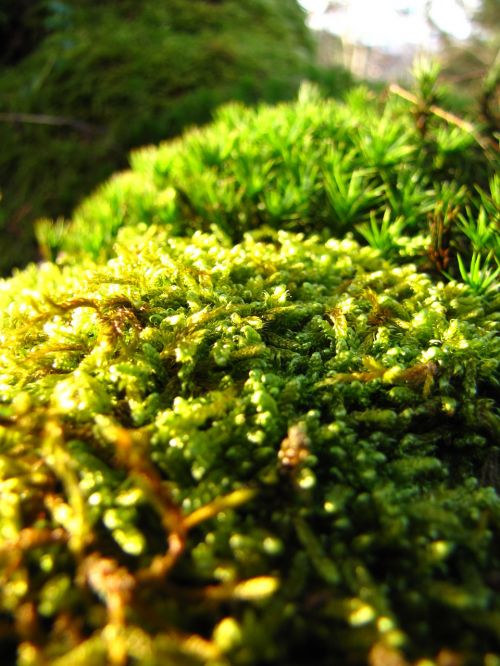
22,26
472,66
117,74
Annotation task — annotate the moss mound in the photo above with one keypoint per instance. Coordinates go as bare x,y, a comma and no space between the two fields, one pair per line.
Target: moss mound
315,166
119,74
250,445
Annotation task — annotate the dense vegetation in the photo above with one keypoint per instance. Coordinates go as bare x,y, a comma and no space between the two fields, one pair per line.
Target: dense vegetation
248,410
83,82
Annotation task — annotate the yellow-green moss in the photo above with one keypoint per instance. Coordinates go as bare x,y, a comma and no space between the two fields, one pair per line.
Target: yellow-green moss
308,431
223,441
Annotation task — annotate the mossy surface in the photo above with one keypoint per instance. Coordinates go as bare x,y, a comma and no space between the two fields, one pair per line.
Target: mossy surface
348,402
225,442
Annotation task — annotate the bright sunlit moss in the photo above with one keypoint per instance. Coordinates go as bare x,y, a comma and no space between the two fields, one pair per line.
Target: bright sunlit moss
224,440
147,391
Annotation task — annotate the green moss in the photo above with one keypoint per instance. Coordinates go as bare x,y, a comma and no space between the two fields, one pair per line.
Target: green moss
139,395
240,423
315,166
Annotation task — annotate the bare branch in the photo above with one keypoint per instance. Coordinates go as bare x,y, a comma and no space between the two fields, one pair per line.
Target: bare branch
56,121
445,115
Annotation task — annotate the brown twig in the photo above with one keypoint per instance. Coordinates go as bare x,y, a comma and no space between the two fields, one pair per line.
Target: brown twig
445,115
56,121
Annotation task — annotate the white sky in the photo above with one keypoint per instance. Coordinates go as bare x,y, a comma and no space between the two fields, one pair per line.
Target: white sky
390,23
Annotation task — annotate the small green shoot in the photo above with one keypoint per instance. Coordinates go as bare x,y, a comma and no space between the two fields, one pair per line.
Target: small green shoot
479,230
481,280
426,73
382,236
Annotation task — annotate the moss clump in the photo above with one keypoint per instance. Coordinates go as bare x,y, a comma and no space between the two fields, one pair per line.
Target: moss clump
121,74
315,166
345,403
242,444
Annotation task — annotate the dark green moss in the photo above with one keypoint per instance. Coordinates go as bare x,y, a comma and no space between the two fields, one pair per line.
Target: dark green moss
123,74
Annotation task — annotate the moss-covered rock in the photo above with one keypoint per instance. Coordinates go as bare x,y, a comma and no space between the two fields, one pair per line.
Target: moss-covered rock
118,74
226,442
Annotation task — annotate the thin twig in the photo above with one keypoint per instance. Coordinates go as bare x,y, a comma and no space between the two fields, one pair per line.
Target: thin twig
445,115
56,121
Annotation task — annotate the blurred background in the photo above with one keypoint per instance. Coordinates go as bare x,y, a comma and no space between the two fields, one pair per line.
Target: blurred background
379,40
84,82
